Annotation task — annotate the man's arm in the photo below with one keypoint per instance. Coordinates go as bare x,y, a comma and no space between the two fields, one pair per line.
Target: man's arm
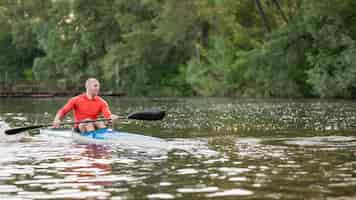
106,112
56,121
62,112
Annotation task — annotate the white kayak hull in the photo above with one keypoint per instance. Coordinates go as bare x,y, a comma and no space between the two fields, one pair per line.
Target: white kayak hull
109,136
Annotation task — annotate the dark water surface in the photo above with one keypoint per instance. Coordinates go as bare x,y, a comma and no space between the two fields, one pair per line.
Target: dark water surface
221,149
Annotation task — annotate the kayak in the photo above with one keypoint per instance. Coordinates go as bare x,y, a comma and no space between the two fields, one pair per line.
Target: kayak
109,136
133,142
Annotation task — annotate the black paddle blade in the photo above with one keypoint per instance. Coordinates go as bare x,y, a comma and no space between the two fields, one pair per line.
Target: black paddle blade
151,115
19,130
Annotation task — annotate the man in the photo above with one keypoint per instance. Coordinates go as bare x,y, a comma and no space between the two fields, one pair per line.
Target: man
87,106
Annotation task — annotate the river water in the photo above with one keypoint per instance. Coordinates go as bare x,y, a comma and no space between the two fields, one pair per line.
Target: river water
219,149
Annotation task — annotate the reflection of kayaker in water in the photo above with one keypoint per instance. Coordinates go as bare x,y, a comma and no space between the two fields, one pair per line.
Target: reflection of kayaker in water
87,106
91,166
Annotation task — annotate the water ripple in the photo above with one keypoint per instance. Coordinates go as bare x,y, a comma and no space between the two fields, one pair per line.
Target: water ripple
218,148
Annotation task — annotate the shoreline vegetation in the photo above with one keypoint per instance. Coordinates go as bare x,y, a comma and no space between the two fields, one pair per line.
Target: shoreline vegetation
213,48
5,94
36,90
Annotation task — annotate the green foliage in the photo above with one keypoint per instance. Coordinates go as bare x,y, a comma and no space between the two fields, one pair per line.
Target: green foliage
207,73
332,57
18,44
278,68
313,54
279,48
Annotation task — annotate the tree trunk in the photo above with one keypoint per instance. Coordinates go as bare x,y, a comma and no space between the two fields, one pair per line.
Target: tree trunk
117,81
205,34
263,15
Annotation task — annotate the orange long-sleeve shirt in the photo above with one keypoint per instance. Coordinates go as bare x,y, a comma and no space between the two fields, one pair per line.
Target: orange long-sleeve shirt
85,108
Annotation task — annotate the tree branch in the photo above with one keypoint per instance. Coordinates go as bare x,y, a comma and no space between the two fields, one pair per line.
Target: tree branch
276,2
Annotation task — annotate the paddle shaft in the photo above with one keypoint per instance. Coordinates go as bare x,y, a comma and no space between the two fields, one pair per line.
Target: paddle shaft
22,129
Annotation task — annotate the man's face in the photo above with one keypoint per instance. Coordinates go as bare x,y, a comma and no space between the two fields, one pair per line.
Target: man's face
93,87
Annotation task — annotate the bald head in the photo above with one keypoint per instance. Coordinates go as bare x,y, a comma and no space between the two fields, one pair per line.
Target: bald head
90,81
92,87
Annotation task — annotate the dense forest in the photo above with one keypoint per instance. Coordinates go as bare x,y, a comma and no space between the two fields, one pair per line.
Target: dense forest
238,48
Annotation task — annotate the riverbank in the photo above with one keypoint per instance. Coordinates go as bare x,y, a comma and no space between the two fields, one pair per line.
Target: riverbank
5,94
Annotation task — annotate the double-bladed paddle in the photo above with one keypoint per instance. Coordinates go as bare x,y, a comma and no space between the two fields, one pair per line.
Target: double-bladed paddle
149,115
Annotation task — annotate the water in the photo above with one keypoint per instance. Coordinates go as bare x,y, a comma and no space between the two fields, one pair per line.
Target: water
219,149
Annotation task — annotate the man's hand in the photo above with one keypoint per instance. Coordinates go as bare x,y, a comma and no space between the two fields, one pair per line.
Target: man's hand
56,123
114,117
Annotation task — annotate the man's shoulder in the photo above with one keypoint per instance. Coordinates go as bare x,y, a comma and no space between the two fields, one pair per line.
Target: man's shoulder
78,97
101,99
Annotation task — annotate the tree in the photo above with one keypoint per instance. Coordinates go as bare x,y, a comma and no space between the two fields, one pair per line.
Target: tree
333,56
18,44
